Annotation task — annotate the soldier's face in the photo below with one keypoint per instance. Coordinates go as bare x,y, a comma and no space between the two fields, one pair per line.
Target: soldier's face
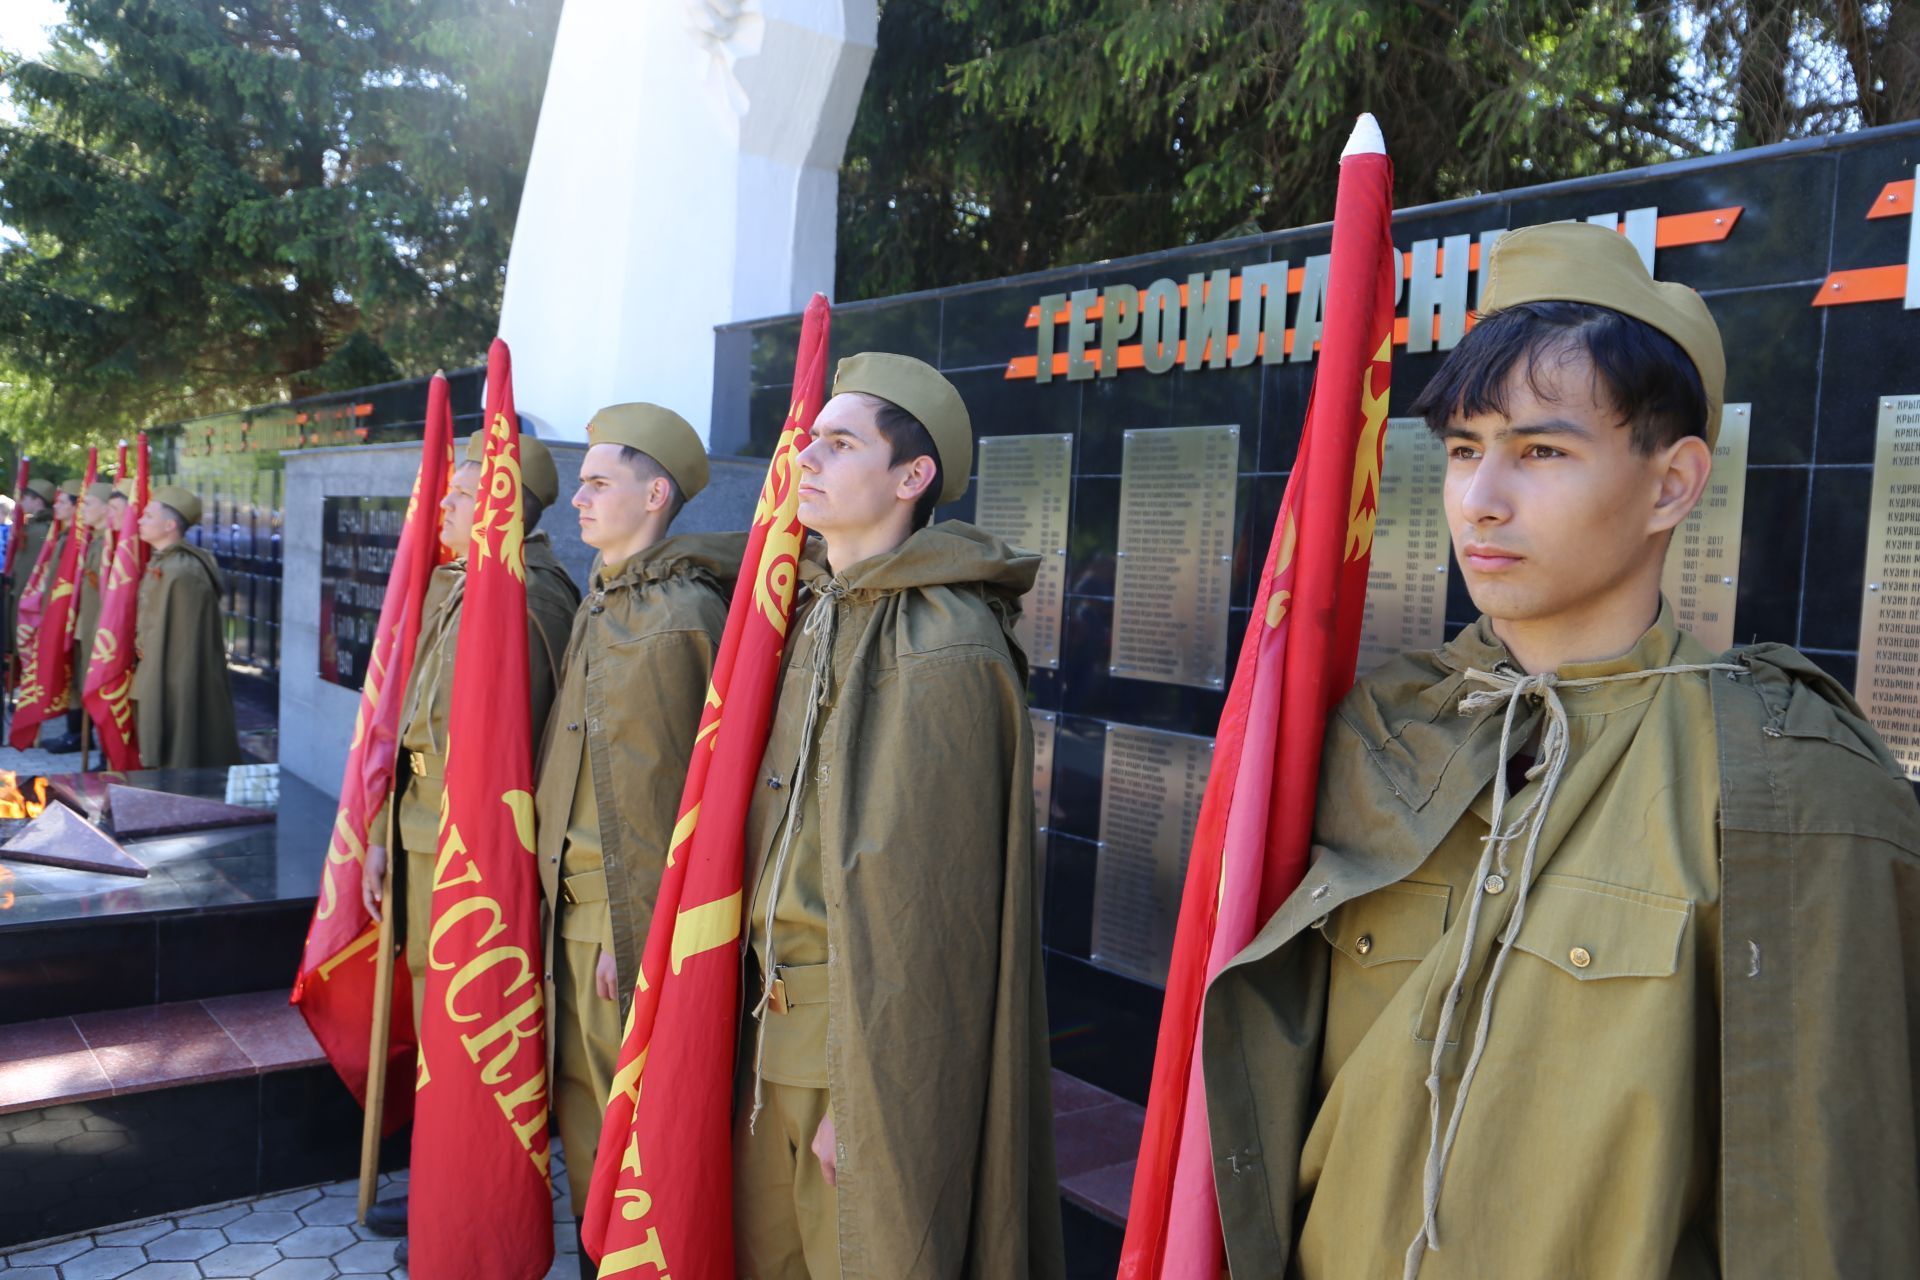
1556,519
848,479
116,512
62,506
156,526
93,512
32,503
616,502
456,520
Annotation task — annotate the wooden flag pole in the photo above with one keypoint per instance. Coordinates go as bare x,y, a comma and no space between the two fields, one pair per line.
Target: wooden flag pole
86,734
378,1041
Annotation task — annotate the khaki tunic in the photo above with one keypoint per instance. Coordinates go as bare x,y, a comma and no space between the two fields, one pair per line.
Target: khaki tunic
612,770
1666,1084
182,700
936,1047
1610,1000
88,622
421,769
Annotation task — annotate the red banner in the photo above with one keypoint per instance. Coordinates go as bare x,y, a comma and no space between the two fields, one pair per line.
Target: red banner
108,691
661,1200
335,986
32,607
46,688
480,1202
1251,843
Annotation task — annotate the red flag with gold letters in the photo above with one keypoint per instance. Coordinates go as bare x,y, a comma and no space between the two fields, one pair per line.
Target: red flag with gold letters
336,982
1251,843
661,1201
46,687
108,691
480,1203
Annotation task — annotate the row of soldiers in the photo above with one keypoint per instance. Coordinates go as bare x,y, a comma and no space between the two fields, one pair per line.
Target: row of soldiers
901,663
181,694
1603,965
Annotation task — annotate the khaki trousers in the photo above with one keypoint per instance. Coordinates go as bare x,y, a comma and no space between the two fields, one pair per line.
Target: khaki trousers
586,1041
419,923
785,1213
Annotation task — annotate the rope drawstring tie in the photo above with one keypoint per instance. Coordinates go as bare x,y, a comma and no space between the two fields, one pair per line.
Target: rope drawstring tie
1508,689
820,626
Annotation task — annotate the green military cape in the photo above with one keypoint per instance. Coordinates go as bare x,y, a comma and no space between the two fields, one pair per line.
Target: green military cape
183,703
937,1056
648,637
1819,1171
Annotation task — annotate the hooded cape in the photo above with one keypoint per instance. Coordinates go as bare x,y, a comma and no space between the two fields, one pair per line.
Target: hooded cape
1818,1169
937,1056
183,703
636,671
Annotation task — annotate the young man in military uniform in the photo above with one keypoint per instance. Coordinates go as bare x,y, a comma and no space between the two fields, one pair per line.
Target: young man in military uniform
894,1114
1604,938
36,521
97,517
617,748
182,700
421,765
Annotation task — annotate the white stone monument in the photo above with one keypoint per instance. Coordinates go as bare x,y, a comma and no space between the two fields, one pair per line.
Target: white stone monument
684,174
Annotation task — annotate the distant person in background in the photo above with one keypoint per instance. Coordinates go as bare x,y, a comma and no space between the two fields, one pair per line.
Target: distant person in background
182,699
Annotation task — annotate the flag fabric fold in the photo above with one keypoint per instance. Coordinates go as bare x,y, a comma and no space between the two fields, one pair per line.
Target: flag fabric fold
480,1203
46,688
1251,842
334,988
661,1200
108,689
14,538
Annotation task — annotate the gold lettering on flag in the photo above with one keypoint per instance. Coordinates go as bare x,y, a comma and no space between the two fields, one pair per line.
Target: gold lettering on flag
1283,565
520,805
682,831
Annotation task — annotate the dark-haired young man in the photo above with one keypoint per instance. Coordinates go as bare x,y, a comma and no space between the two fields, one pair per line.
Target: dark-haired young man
617,747
182,696
894,1111
1603,966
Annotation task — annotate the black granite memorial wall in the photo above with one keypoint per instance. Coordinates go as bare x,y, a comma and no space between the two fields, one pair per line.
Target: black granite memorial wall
1803,252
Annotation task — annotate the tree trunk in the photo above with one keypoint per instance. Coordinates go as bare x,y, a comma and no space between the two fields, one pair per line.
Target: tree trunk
1761,110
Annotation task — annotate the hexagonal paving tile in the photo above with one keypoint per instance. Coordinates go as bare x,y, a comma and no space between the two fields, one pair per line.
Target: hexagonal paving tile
102,1264
351,1187
47,1131
288,1199
139,1233
214,1217
237,1260
373,1257
49,1254
300,1269
34,1273
186,1244
316,1242
165,1271
272,1225
330,1211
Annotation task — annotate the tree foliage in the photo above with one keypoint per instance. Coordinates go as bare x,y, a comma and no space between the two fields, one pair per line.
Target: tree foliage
218,203
999,136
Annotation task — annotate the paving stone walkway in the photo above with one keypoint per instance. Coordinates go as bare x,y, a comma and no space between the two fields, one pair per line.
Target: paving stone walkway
308,1234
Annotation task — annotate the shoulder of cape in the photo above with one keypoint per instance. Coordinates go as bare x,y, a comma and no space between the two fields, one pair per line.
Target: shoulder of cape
1830,770
949,621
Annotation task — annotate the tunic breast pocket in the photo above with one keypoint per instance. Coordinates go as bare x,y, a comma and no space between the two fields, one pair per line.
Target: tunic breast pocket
1400,922
1591,931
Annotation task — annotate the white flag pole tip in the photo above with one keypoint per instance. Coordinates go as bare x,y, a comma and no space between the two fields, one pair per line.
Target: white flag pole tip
1366,139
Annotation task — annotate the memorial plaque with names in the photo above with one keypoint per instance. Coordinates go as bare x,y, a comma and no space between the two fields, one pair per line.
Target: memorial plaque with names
1702,574
1888,686
359,537
1407,575
1154,783
1023,488
1174,563
1044,723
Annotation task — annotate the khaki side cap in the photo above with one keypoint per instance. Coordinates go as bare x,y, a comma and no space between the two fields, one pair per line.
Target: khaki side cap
42,487
101,490
537,471
658,432
924,392
185,501
1579,262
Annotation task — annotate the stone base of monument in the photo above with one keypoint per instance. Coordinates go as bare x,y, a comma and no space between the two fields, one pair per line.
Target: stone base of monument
148,1057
